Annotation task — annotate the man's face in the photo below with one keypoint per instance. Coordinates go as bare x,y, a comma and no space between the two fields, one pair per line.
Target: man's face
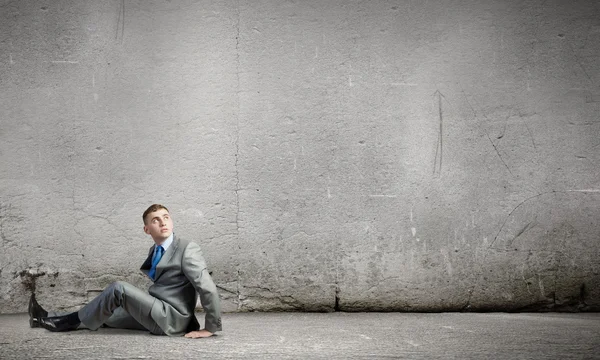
159,225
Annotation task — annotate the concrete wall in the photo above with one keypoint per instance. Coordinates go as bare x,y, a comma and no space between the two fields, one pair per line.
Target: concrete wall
327,155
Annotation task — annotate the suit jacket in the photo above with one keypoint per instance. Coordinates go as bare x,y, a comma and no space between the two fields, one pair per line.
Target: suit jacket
181,275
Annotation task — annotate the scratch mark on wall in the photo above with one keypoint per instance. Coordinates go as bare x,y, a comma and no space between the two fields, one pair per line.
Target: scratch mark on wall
446,256
580,64
403,84
412,343
439,150
522,231
485,132
121,22
501,136
498,153
467,304
529,131
93,87
514,209
590,99
525,280
541,285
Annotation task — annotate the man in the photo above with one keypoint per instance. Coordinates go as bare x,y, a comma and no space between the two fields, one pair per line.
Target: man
179,273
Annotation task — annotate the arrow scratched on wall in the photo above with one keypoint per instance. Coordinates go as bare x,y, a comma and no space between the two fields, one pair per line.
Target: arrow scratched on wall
121,21
439,150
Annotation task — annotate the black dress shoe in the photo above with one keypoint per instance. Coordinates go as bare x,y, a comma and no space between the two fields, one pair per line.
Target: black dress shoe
36,312
57,324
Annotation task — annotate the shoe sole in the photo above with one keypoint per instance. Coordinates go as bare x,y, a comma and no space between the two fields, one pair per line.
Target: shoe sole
33,323
33,318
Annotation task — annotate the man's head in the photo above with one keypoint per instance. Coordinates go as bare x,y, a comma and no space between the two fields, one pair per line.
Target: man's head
158,222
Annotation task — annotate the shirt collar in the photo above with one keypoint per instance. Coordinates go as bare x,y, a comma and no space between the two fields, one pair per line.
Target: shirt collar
165,245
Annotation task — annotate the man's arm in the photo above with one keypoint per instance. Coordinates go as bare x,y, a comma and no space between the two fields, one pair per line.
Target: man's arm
194,268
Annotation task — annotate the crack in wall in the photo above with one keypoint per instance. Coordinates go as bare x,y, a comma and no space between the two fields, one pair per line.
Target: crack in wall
582,295
237,120
336,306
288,300
3,237
240,303
338,259
578,61
237,150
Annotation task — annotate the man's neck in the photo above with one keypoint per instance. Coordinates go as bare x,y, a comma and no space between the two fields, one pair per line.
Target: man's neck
161,242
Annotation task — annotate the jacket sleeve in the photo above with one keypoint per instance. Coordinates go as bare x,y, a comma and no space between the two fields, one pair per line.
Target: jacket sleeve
194,268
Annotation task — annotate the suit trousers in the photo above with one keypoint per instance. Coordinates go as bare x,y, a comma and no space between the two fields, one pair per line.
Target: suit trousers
120,305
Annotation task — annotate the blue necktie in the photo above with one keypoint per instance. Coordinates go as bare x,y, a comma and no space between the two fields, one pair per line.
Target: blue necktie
157,255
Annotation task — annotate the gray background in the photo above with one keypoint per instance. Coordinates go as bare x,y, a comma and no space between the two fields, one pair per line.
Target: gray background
327,155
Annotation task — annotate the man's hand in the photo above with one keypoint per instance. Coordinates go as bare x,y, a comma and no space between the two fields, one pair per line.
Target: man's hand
199,334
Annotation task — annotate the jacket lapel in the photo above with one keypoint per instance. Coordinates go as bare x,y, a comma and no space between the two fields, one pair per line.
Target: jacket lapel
148,263
166,256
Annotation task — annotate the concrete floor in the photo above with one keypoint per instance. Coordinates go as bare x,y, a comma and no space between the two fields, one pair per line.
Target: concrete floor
333,335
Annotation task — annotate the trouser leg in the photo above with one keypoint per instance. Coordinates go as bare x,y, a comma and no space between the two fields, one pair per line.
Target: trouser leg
121,319
131,300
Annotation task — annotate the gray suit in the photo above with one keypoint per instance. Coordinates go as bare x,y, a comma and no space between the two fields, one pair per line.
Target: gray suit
168,307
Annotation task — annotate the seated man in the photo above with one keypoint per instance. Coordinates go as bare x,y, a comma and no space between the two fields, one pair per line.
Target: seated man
179,273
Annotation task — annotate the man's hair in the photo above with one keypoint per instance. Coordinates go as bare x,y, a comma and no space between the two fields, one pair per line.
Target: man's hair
151,209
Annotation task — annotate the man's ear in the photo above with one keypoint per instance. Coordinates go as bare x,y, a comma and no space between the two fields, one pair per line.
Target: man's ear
146,230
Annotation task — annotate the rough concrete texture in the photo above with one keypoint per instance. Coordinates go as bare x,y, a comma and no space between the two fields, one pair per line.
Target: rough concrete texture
327,155
327,336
